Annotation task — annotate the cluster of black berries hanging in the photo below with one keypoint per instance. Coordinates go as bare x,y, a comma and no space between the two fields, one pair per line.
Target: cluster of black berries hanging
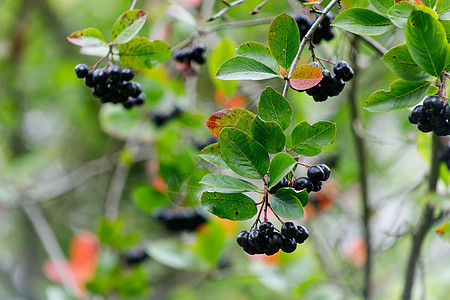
325,31
196,53
265,240
134,257
181,220
112,85
313,183
331,85
160,119
444,156
433,115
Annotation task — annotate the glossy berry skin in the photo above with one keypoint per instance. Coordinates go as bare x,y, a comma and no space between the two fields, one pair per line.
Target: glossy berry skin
242,239
326,170
433,105
127,74
303,183
114,73
327,77
88,79
274,241
100,76
317,186
314,63
417,115
81,70
446,111
425,126
289,230
266,227
289,245
256,238
315,174
302,234
134,257
282,184
342,70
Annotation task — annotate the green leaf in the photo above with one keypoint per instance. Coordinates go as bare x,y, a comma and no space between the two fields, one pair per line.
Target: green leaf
283,39
362,21
173,254
211,154
113,234
140,53
399,61
399,13
245,123
429,3
243,68
243,154
227,184
258,52
234,206
442,7
127,26
427,42
305,77
382,5
89,37
446,25
225,118
273,106
147,198
223,51
286,205
181,14
268,134
309,139
280,166
402,94
444,231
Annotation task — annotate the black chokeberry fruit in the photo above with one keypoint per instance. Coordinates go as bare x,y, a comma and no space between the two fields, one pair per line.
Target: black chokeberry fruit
317,186
327,77
135,257
256,238
321,96
326,170
274,241
425,126
127,74
88,79
315,64
336,86
315,174
302,234
446,111
283,183
139,100
242,239
289,230
342,70
81,70
99,76
266,227
433,105
303,183
289,245
136,89
442,130
417,115
114,73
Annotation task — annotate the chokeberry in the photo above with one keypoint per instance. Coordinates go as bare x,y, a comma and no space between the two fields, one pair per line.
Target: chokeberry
446,111
81,70
433,105
127,74
99,76
283,183
302,234
342,70
317,186
303,183
274,241
135,257
88,81
326,170
417,115
256,238
242,239
266,227
289,230
289,245
425,126
114,73
315,174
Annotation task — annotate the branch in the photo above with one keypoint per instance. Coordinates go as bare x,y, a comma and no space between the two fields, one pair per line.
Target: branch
238,24
52,247
133,5
305,39
257,8
361,153
224,10
372,44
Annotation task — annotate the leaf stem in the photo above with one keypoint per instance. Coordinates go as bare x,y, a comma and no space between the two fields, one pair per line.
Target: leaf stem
258,7
133,5
305,39
225,9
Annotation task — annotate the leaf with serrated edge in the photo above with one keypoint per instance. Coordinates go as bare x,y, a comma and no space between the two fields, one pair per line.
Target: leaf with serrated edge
283,39
399,61
227,184
309,140
402,94
362,21
427,42
305,77
231,206
258,52
280,166
273,106
225,118
243,68
89,37
211,154
286,205
243,154
140,53
127,26
268,134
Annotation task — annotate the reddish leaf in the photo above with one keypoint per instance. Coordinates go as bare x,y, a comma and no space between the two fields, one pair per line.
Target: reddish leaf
90,37
225,118
305,77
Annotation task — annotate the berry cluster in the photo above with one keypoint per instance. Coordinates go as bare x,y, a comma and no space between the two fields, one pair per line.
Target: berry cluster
433,115
312,183
331,85
323,32
444,156
134,257
161,119
196,53
265,241
181,220
113,85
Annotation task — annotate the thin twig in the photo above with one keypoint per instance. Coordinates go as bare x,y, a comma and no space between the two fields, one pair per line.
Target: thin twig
238,24
257,8
304,41
372,44
133,5
50,243
224,10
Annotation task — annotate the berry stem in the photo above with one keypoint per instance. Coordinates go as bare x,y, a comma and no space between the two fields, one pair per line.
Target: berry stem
323,59
304,165
279,219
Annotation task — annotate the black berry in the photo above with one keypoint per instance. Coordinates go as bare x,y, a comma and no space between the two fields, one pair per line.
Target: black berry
289,230
81,70
302,234
342,70
326,170
127,74
315,174
266,227
100,76
283,183
303,183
